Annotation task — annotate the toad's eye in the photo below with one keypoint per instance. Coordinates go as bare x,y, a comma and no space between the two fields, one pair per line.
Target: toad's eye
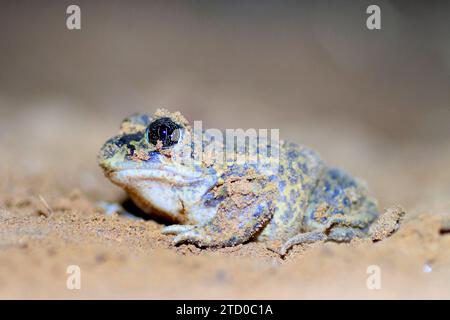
164,130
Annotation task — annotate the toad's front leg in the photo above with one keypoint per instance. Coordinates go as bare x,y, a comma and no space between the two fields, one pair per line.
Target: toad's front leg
248,204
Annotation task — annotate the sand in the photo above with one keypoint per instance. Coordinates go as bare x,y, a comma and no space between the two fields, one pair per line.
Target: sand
123,258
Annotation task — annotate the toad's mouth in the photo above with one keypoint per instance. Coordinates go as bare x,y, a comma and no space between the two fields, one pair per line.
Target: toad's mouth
166,175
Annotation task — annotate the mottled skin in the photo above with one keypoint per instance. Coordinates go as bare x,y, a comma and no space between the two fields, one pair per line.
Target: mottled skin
213,204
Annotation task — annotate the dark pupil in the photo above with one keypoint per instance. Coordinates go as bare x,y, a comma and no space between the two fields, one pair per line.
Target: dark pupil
164,130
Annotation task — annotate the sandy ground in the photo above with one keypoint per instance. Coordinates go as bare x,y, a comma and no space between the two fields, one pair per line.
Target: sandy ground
120,258
47,225
372,103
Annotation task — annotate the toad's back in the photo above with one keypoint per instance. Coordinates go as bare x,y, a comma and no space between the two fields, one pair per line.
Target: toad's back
312,195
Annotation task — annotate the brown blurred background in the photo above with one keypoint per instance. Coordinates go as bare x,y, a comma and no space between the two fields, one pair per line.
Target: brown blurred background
373,102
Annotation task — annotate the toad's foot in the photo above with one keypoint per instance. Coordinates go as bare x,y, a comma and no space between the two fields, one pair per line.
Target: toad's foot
176,229
197,236
388,223
337,234
338,229
109,208
307,237
247,206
